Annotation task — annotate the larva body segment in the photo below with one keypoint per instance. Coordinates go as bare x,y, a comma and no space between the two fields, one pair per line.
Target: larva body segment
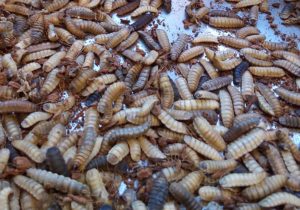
166,90
168,134
138,205
163,39
133,37
239,71
54,137
290,163
133,72
56,162
150,58
264,105
241,179
58,182
256,38
203,94
209,193
278,199
275,45
56,5
53,61
65,36
245,143
275,160
135,149
227,112
96,85
2,134
149,41
237,100
12,127
171,123
190,53
178,46
90,27
17,106
247,3
251,164
283,135
174,149
190,105
142,79
31,150
226,22
30,67
290,121
247,85
227,64
202,148
158,194
143,9
257,62
192,181
150,150
51,82
173,173
183,196
95,181
211,166
255,53
209,68
234,42
4,156
293,59
117,153
246,31
28,202
34,118
142,21
206,131
7,93
217,83
223,13
31,186
80,12
183,88
74,50
73,28
4,197
118,38
289,96
267,71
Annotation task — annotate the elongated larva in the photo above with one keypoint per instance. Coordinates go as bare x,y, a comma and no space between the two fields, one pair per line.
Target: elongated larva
211,166
290,121
227,112
202,148
247,85
135,149
167,92
288,96
51,82
56,5
158,194
142,21
149,41
241,179
163,39
150,58
237,100
12,127
190,105
4,156
275,160
206,131
289,66
183,196
255,53
133,37
53,61
264,105
94,180
257,62
217,83
246,31
203,94
226,22
31,150
294,59
4,197
133,72
117,153
256,38
224,55
278,199
247,3
239,71
38,55
143,9
150,150
58,182
178,46
283,135
228,64
190,53
183,88
56,162
267,71
17,106
192,181
142,79
31,186
209,68
271,98
275,45
234,42
253,16
245,143
209,193
118,38
251,164
205,39
290,163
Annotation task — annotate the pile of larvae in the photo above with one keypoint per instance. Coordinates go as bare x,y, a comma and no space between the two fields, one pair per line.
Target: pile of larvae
216,135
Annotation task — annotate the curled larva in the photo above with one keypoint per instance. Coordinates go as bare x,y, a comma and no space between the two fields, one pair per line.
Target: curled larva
150,150
278,199
190,53
241,179
31,150
227,112
226,22
34,118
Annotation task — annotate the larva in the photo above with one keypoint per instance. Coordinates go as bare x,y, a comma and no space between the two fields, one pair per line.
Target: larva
38,55
264,105
190,105
166,90
4,197
174,149
17,106
217,83
183,88
143,9
275,160
31,186
56,5
202,148
294,59
209,68
4,156
31,150
133,73
117,153
52,36
246,31
95,181
289,66
138,205
256,38
90,27
118,38
228,64
192,181
227,112
12,127
173,173
142,21
118,4
283,135
224,55
183,69
150,58
190,53
275,45
149,41
9,64
54,137
158,194
56,162
150,150
58,182
267,71
103,38
60,106
142,79
133,37
171,123
222,13
253,14
251,164
278,199
74,50
203,94
27,201
80,12
211,166
271,98
257,62
178,46
237,100
247,85
2,134
205,39
42,46
96,85
234,42
135,149
17,9
288,96
65,36
241,179
245,144
183,196
247,3
210,54
206,131
30,67
290,121
168,134
239,71
163,39
290,163
255,53
51,82
73,28
226,22
53,61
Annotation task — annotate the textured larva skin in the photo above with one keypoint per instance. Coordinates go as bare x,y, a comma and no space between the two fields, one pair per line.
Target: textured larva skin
205,39
135,149
30,67
275,45
257,62
31,186
43,128
90,27
190,105
183,196
256,38
222,13
138,205
4,198
120,36
275,160
150,58
228,64
34,118
9,64
142,21
209,68
117,153
239,71
7,93
278,199
209,193
290,121
28,202
55,5
143,9
94,180
171,123
65,36
227,112
158,194
81,12
80,81
283,135
173,173
192,181
17,9
202,148
217,83
264,105
142,79
178,46
206,131
226,22
211,166
252,165
289,66
224,55
294,59
246,31
245,143
289,96
290,163
53,61
255,53
174,149
134,71
241,179
2,134
247,85
170,135
237,100
247,3
4,157
51,82
271,98
183,88
31,150
166,90
163,39
56,162
234,42
74,50
19,106
133,37
149,41
267,71
73,28
150,150
203,94
58,182
190,53
12,127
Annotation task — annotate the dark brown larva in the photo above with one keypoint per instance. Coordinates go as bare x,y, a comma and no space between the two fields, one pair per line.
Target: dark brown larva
149,41
56,162
142,21
178,46
217,83
158,193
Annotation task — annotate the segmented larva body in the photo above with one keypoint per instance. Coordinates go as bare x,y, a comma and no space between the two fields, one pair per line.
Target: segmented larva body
12,127
247,31
209,68
211,166
217,83
289,96
267,71
74,50
31,186
247,3
202,148
171,123
117,153
4,156
257,62
251,164
226,22
170,135
158,194
209,193
27,201
227,112
58,182
174,149
56,5
17,106
203,94
192,181
264,105
275,160
34,118
283,135
149,41
53,61
118,38
95,181
150,58
204,38
51,82
293,59
241,179
234,42
149,149
143,9
237,100
31,150
245,143
30,67
138,205
183,196
173,173
54,137
275,45
142,21
190,53
96,85
183,88
56,162
178,46
190,105
135,149
194,76
133,37
163,39
278,199
227,64
91,119
247,85
256,38
206,131
290,163
290,121
166,89
7,93
4,198
255,53
142,79
133,74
